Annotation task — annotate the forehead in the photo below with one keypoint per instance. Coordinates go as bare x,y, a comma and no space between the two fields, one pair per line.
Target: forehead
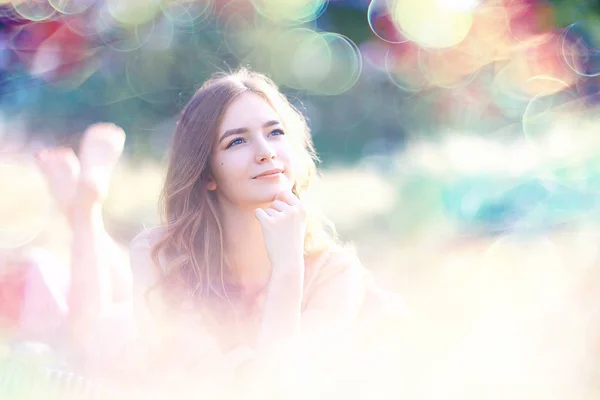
248,110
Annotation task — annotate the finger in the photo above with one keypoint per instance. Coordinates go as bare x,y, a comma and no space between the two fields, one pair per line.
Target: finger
271,212
280,206
288,197
261,215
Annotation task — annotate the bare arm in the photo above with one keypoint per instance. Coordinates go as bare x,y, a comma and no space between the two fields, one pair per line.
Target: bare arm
336,295
281,316
332,299
90,290
294,337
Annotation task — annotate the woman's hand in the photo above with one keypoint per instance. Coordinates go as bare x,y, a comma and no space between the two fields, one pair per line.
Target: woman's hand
283,227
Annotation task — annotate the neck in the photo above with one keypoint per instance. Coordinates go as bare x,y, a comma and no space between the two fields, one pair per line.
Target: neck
245,251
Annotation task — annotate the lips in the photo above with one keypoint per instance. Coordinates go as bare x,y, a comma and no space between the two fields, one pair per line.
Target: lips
271,172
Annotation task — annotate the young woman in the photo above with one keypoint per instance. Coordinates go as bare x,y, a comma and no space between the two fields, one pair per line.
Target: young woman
243,255
241,245
243,267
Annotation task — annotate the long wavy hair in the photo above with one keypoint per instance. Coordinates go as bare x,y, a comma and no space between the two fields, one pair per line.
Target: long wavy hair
191,249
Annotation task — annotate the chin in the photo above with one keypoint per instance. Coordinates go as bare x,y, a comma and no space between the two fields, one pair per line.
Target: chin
267,195
267,191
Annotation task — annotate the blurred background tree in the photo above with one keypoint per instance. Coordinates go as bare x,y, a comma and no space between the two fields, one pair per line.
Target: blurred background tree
66,64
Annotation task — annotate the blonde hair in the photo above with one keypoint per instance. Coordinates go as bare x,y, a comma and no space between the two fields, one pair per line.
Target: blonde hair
192,244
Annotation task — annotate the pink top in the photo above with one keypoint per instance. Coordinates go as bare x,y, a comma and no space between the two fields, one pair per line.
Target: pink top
334,290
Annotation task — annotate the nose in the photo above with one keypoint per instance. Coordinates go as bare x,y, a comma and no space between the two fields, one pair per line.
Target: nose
264,151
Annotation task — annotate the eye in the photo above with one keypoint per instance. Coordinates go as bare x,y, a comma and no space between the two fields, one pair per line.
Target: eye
234,142
277,132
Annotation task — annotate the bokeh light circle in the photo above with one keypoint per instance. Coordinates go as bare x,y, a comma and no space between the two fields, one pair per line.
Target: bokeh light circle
545,84
8,12
290,12
161,35
381,22
525,20
488,38
71,6
512,89
123,37
589,89
345,65
431,24
132,12
460,5
79,76
323,63
348,113
290,48
559,125
34,10
89,22
150,75
239,33
580,48
25,212
186,12
447,68
107,86
402,68
542,114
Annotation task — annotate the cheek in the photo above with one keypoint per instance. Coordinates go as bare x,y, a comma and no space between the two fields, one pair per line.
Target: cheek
293,160
286,152
218,172
230,170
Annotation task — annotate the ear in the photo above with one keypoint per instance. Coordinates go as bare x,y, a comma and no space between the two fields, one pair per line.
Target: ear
211,185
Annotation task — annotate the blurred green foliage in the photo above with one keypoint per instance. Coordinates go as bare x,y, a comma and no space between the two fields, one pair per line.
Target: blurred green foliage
374,116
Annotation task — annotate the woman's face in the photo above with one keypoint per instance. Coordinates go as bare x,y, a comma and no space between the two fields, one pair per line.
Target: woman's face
253,159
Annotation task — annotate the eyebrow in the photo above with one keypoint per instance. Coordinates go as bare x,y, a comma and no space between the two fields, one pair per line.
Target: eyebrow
239,131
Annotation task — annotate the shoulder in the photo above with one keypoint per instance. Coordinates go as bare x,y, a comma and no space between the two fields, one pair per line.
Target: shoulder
337,262
335,283
148,238
332,261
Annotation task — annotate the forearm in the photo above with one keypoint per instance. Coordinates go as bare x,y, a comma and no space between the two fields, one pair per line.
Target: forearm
281,317
90,289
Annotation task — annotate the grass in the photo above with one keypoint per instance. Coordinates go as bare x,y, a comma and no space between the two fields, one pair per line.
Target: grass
487,308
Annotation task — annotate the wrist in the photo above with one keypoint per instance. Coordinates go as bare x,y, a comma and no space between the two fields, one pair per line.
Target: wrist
287,275
290,266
